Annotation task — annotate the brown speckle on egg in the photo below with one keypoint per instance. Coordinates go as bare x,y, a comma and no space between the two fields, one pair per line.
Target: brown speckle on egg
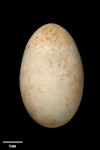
61,78
66,105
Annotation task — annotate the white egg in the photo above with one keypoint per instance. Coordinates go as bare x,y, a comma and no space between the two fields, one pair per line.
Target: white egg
51,76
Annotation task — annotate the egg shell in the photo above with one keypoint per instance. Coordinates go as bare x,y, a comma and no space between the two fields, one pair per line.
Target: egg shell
51,76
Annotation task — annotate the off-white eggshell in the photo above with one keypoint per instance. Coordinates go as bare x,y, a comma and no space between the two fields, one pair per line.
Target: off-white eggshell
51,76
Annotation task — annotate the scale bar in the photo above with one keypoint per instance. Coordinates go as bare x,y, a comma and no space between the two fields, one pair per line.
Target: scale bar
12,141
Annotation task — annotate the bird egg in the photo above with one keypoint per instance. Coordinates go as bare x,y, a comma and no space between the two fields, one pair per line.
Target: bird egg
51,76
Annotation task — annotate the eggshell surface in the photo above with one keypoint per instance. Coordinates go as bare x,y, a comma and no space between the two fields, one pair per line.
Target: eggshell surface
51,76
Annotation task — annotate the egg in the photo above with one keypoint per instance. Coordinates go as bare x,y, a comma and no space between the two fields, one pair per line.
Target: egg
51,76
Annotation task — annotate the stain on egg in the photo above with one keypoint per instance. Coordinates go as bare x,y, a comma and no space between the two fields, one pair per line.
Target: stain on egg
51,76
